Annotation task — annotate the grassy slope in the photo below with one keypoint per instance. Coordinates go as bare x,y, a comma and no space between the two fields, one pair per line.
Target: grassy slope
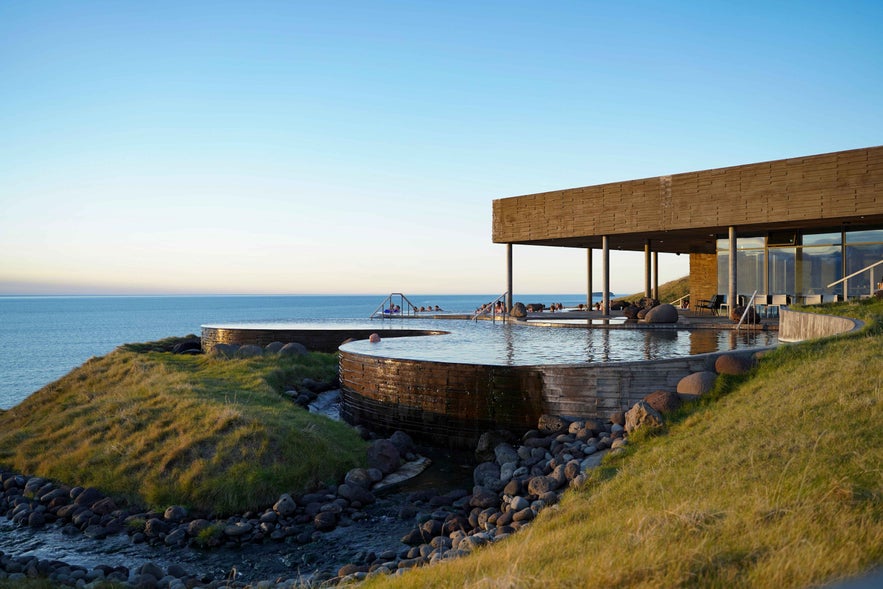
668,292
775,480
164,429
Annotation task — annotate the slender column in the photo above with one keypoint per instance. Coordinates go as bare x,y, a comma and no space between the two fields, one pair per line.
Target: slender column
731,283
647,268
509,276
605,255
655,275
589,277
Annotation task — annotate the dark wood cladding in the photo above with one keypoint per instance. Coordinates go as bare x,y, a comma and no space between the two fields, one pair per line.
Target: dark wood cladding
679,210
439,402
453,404
315,340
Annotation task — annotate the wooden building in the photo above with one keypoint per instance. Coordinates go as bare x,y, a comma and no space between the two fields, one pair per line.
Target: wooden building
798,225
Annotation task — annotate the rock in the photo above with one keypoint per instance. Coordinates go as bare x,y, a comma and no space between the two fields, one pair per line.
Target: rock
487,474
552,424
273,347
225,350
196,526
542,484
733,364
642,415
175,513
360,477
518,310
696,384
504,453
484,449
374,338
483,497
285,505
663,401
237,529
384,456
402,442
250,351
88,496
325,521
104,506
664,313
155,527
186,346
293,349
355,493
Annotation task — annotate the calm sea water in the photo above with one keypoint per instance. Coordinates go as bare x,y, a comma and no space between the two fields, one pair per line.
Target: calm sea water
44,338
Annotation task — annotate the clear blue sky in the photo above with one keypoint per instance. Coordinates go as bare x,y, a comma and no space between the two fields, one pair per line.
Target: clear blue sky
355,147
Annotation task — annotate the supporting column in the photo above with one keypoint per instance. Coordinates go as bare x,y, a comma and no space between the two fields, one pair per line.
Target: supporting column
605,280
589,277
731,283
508,276
656,275
647,268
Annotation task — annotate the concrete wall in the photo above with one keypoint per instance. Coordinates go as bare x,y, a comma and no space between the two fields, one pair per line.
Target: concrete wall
315,340
795,326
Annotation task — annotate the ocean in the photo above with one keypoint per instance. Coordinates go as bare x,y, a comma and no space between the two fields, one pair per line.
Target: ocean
42,338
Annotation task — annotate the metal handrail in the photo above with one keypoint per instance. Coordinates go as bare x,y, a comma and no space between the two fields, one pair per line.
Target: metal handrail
680,299
379,311
845,278
747,308
489,308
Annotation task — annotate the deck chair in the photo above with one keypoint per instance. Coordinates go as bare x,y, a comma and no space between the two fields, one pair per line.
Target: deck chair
713,304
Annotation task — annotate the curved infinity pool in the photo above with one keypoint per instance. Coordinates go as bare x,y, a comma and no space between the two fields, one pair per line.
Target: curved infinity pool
517,344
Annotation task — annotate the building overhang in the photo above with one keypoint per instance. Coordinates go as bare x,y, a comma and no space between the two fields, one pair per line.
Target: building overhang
687,213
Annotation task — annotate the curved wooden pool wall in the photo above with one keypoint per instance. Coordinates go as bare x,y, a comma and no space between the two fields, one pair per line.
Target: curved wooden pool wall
315,340
451,404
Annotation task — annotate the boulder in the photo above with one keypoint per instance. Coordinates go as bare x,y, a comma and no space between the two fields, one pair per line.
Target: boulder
384,456
174,513
402,442
642,415
504,453
285,506
487,474
293,349
225,350
360,477
273,347
696,384
552,424
733,364
250,351
186,346
662,314
663,401
542,484
355,493
518,311
482,497
484,449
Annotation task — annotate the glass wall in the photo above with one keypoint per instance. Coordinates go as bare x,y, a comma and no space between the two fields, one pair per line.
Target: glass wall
801,264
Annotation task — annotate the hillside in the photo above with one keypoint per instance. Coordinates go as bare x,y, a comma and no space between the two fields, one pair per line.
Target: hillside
668,292
159,429
774,480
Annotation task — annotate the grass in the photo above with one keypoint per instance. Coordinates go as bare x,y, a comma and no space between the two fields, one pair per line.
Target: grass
774,480
157,429
668,292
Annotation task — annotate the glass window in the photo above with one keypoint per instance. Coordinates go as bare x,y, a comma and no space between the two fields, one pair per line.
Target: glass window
747,243
723,272
781,268
817,267
723,245
749,271
782,238
858,257
822,239
873,236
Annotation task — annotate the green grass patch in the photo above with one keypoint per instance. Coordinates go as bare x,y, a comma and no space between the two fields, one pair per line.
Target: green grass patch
159,429
773,480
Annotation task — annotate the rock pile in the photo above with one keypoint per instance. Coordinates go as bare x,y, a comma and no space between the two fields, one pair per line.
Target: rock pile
649,310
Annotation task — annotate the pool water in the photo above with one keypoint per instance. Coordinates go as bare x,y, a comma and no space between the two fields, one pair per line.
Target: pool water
519,344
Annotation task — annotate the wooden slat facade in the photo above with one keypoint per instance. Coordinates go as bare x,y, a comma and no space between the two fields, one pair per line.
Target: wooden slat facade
682,213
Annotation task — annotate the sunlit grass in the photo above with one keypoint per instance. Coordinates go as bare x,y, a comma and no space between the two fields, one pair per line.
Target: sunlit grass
162,429
775,481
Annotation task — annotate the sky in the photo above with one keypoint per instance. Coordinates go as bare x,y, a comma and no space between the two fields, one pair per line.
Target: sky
287,147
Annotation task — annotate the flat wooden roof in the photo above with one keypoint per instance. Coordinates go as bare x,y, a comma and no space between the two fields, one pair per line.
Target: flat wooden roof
685,213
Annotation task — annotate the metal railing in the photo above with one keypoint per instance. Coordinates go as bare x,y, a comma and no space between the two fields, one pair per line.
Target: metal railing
387,309
491,309
676,301
868,268
748,307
